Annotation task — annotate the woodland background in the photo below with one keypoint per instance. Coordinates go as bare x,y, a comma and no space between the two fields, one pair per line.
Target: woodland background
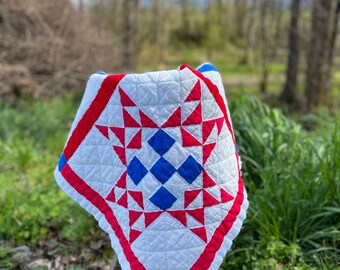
279,60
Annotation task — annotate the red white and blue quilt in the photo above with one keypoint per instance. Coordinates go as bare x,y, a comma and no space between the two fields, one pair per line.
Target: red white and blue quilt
153,158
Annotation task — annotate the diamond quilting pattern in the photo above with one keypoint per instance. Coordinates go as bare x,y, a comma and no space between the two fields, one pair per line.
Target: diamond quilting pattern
131,143
163,144
136,139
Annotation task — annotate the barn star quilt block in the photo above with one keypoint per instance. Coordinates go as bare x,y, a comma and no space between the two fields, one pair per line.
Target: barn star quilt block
153,158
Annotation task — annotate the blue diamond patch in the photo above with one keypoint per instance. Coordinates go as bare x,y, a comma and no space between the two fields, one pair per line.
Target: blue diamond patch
136,170
163,198
161,142
190,169
162,170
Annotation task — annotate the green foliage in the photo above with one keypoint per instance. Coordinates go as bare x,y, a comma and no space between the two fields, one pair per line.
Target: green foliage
5,258
292,177
268,255
293,182
32,205
43,122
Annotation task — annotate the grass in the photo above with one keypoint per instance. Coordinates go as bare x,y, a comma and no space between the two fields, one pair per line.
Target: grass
33,207
292,177
293,182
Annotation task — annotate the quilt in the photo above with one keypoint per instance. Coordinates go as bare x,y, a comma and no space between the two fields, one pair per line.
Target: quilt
153,158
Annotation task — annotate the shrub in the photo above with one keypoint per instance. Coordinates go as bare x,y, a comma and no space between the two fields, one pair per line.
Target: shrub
292,180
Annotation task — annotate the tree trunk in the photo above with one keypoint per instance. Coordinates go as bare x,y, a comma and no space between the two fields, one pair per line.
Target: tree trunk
289,91
207,25
240,16
155,21
185,17
265,46
320,53
165,29
223,22
278,5
156,26
130,23
271,19
251,33
81,6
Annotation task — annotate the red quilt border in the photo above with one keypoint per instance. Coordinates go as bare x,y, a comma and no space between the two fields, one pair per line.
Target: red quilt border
78,135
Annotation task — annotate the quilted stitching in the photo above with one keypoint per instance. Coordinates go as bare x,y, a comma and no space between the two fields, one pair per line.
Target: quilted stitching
158,168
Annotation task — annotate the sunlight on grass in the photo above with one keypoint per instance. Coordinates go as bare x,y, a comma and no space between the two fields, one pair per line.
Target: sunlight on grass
288,172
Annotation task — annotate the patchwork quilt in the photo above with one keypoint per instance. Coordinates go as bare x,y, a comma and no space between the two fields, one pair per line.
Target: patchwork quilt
153,158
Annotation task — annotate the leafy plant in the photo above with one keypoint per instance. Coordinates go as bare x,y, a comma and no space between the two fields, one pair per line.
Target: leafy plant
292,179
5,257
32,205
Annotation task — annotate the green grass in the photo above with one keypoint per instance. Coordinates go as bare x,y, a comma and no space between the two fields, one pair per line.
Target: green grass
292,177
33,207
293,181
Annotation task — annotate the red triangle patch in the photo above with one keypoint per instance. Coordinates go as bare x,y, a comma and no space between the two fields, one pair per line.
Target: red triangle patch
150,217
146,121
174,120
207,180
129,121
201,233
138,197
195,117
119,132
219,123
180,216
189,196
188,139
208,199
225,196
123,200
125,100
134,235
103,130
122,181
195,93
136,141
198,214
111,197
207,127
133,216
207,149
121,153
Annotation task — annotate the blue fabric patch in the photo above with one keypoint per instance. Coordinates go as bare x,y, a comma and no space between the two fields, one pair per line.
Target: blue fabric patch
190,169
163,198
162,170
136,170
207,67
161,142
101,72
62,162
